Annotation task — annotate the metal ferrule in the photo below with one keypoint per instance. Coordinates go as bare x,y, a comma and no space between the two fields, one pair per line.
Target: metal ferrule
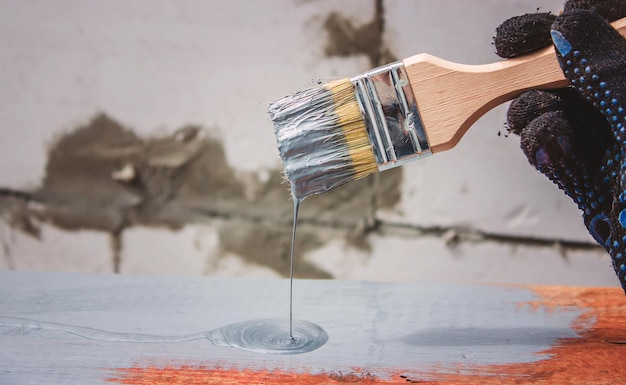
391,117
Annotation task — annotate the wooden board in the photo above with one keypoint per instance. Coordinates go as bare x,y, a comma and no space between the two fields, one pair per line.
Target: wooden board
378,332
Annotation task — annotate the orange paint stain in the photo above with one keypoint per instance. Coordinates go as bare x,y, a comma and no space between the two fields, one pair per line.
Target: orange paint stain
598,357
193,375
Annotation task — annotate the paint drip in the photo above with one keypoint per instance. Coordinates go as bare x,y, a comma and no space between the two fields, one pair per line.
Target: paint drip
269,336
296,208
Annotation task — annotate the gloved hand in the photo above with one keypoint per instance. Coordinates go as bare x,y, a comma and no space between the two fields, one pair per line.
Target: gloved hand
577,136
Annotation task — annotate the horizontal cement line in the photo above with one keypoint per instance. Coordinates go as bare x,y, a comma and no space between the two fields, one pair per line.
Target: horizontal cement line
450,234
455,235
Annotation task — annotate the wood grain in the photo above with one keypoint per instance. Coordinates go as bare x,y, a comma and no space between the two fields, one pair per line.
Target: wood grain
452,96
378,332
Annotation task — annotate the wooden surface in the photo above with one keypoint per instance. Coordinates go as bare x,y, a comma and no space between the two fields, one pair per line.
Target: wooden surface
378,332
451,96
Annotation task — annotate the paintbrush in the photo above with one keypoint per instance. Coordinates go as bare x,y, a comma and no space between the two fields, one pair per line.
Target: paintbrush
350,128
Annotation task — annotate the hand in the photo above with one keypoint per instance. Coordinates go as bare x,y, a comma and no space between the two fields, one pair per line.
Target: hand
577,136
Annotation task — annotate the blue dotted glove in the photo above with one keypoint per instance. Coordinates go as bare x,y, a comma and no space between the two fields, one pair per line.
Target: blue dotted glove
577,136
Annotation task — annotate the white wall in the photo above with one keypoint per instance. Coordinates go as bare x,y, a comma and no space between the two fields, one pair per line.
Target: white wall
156,66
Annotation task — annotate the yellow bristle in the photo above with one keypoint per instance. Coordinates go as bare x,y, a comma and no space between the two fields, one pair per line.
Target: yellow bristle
353,127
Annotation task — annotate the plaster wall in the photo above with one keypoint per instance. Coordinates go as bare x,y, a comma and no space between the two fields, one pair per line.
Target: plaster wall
136,140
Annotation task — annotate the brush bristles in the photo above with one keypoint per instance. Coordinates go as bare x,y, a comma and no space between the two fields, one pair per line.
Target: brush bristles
322,138
355,134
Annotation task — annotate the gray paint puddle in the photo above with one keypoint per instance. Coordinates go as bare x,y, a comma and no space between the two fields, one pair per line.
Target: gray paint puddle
268,336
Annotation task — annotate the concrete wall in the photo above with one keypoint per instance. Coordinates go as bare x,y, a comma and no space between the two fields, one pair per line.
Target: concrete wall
136,140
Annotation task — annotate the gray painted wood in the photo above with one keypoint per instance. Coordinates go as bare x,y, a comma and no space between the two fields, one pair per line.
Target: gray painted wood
378,326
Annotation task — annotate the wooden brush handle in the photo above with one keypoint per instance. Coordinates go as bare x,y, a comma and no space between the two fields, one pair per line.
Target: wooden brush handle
452,96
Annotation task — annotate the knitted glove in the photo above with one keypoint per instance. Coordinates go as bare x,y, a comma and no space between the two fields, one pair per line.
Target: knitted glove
577,136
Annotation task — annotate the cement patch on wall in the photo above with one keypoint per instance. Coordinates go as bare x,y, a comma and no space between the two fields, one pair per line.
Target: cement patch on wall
102,176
